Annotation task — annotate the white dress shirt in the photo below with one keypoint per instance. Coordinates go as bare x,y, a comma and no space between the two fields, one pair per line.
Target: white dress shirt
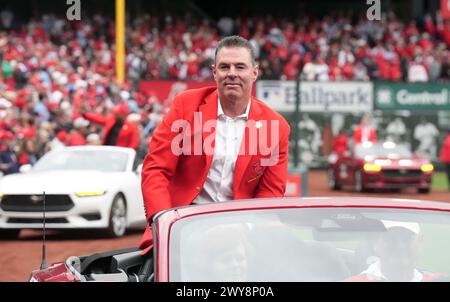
373,272
365,132
229,133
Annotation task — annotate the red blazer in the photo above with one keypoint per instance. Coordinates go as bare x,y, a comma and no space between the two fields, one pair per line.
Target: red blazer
128,135
445,151
170,181
357,135
76,139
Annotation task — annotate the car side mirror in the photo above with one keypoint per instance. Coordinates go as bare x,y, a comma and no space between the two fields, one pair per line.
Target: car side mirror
25,168
139,169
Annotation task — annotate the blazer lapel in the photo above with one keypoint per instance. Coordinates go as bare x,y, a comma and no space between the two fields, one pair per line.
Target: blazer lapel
208,114
249,145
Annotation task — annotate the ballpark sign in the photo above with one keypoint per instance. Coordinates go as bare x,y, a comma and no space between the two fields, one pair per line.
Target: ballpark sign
417,96
317,96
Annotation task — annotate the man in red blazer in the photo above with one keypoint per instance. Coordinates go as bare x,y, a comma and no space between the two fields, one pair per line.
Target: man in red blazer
364,132
117,130
211,146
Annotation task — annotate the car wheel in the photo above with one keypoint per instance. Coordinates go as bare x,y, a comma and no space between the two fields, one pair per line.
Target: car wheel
117,217
9,234
424,190
332,185
358,182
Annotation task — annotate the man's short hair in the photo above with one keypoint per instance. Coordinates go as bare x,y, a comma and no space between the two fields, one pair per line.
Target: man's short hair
236,41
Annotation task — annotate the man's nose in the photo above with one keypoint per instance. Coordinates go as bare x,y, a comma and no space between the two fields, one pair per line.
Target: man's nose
232,72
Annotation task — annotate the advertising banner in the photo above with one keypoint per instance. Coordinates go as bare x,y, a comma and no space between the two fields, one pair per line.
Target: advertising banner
317,96
412,96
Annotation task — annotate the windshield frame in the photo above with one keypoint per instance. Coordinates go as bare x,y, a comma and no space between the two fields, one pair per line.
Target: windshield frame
163,221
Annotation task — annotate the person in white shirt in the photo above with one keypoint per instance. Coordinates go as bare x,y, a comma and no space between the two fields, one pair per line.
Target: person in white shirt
417,72
426,133
397,252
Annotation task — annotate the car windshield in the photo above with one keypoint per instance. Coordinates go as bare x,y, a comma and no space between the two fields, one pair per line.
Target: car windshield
311,244
101,160
387,149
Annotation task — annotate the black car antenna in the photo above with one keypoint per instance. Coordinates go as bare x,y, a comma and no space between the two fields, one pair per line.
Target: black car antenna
43,261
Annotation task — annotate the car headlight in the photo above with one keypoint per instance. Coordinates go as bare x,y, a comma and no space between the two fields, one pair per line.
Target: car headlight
427,168
90,193
372,168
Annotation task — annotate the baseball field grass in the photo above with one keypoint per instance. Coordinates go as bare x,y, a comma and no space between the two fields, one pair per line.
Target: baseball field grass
439,181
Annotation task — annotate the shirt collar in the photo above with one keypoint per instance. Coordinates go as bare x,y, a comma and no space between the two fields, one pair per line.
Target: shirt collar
242,116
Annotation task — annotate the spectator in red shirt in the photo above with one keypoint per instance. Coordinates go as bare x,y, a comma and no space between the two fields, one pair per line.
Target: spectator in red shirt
77,134
340,142
364,132
117,130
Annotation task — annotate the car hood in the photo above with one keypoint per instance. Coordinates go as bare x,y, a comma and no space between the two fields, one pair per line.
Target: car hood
55,182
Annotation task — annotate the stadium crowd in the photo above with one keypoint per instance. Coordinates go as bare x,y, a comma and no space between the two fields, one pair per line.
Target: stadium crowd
53,70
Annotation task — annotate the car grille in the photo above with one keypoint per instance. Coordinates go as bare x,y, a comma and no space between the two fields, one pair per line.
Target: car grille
37,220
402,173
34,203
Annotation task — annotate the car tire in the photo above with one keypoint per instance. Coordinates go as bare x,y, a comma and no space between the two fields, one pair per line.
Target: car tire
423,190
358,182
8,234
117,217
332,184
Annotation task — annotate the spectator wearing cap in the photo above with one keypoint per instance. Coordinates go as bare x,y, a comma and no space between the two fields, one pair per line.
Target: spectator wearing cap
8,160
396,255
77,133
118,131
445,155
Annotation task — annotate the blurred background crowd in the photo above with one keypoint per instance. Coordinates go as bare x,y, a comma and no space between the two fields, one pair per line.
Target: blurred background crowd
53,70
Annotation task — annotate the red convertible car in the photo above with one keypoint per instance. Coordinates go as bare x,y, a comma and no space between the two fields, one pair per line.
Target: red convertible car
380,166
286,239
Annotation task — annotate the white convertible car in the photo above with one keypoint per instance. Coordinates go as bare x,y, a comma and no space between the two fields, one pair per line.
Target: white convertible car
86,187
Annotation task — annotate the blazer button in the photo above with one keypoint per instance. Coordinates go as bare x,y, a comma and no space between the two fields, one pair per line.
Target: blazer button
198,189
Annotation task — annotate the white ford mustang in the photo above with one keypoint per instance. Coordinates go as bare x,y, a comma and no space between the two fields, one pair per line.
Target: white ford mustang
86,187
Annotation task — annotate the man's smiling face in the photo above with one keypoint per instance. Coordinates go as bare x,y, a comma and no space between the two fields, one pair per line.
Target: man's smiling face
234,73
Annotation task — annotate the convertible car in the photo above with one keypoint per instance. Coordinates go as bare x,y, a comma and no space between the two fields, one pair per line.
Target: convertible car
86,187
380,166
286,239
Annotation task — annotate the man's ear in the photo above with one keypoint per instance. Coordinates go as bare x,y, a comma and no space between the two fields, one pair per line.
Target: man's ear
213,69
255,72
